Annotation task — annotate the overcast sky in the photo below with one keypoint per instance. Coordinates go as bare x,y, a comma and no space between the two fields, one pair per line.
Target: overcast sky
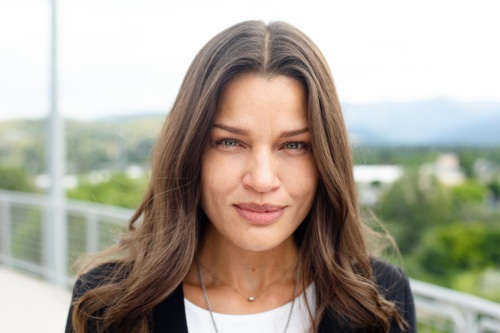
129,56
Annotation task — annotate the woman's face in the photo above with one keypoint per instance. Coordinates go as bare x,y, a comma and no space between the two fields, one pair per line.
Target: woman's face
259,177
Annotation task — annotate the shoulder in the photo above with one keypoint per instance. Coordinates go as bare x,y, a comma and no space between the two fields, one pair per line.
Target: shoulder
88,281
387,275
392,282
94,278
91,280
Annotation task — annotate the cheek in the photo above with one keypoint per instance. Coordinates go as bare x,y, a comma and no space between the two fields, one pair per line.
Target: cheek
217,177
301,180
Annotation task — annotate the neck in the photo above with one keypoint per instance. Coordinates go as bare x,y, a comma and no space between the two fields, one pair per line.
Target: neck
247,271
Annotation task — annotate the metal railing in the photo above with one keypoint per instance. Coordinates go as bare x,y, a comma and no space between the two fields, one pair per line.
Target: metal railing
25,233
25,245
444,310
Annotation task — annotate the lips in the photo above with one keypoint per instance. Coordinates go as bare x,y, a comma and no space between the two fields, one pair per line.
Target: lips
259,214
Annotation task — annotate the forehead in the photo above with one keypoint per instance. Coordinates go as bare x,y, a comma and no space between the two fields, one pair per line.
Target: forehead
252,96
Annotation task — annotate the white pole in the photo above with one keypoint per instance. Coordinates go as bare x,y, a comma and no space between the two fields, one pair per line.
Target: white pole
55,228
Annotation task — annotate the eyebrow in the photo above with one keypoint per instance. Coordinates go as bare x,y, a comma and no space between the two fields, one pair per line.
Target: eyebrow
234,130
244,132
288,134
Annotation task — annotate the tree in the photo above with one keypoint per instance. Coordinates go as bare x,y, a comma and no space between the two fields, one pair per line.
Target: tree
411,206
15,179
460,256
120,190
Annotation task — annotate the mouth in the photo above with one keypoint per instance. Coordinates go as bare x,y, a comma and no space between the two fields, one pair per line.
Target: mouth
259,214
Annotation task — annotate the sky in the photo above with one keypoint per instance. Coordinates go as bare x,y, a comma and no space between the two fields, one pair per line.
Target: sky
127,57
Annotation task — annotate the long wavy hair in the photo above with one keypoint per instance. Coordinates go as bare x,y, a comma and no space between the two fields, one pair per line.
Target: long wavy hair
156,253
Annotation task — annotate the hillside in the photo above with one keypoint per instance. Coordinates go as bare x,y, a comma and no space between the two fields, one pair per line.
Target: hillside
98,144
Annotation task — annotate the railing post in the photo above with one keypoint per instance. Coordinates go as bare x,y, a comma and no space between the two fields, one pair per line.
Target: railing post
56,226
471,320
55,249
5,229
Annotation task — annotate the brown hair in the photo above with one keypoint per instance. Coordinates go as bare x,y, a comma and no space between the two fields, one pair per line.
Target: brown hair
163,234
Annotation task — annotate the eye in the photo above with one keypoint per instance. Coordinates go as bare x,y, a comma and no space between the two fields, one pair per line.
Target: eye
227,142
294,145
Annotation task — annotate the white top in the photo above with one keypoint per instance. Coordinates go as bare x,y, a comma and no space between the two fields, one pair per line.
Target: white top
272,321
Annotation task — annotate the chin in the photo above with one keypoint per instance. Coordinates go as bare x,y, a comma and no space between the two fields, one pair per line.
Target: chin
261,245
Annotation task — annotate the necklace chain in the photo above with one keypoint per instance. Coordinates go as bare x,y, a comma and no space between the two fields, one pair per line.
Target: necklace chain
209,306
250,298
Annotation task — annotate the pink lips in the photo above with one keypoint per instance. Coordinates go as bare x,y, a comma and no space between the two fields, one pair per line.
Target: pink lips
259,214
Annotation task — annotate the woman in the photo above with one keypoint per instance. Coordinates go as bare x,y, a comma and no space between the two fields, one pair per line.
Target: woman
250,221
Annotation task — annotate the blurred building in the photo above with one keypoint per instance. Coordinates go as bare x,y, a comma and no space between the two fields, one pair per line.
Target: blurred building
446,169
373,180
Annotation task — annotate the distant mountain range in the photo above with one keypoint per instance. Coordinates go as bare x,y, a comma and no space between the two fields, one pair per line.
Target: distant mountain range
439,121
431,122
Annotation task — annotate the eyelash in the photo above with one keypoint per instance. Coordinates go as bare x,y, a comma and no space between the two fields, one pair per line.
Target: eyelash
301,144
221,141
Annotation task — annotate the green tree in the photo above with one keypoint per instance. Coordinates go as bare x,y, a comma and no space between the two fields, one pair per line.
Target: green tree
494,189
15,179
411,206
447,250
120,190
460,256
470,192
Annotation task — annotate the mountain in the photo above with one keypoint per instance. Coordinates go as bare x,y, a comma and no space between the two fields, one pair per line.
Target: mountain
479,133
431,122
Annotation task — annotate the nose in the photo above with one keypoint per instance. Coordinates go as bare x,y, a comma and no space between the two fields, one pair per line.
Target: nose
262,172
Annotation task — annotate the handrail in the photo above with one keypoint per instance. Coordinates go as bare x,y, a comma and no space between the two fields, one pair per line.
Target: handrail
444,295
36,199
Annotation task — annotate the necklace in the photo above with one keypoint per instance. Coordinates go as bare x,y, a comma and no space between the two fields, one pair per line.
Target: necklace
209,306
248,298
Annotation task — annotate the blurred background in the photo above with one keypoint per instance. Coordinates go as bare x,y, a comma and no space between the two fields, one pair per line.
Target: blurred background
85,86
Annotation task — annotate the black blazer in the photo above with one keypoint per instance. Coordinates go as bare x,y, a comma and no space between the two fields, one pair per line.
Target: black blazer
169,315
